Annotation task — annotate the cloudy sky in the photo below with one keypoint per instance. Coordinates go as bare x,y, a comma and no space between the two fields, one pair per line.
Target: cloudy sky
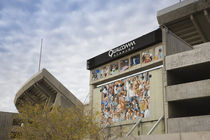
73,31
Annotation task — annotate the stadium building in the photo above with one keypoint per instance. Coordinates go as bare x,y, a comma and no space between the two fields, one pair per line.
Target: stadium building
155,84
159,82
41,88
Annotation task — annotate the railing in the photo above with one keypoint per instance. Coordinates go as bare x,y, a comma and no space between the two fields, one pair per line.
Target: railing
133,127
155,125
131,130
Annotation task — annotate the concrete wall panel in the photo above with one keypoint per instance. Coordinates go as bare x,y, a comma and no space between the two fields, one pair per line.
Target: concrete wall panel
116,132
175,44
146,127
188,58
188,90
6,120
97,102
127,128
156,103
161,137
175,136
189,124
195,136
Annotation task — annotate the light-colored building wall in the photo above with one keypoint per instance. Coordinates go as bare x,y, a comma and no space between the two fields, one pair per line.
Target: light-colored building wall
156,111
6,124
173,136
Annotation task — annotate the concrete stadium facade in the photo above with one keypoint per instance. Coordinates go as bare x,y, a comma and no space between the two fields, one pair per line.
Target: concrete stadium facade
179,83
43,87
155,84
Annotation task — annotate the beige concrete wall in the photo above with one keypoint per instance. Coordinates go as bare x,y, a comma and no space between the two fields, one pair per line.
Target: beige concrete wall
188,58
97,102
189,124
156,91
6,119
188,90
175,136
142,129
145,128
156,111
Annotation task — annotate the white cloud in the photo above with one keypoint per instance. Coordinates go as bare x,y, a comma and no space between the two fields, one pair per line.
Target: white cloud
73,32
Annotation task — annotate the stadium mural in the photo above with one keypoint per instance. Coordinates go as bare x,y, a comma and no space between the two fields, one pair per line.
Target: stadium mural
104,71
158,52
95,74
135,60
147,56
126,99
124,64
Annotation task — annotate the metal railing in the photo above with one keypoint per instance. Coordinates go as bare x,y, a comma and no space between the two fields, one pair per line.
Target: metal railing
155,125
137,123
133,127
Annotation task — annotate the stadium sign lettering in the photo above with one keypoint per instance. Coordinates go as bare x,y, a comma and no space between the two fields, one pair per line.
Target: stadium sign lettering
122,49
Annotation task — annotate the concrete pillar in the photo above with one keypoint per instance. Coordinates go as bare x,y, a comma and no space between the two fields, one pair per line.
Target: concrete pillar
164,76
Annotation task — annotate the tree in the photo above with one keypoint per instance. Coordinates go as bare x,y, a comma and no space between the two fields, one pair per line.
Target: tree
40,122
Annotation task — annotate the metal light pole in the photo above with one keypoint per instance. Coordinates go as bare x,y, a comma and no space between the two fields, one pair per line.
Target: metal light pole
40,55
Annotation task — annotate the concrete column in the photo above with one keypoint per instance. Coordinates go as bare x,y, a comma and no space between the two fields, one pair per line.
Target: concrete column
91,87
164,76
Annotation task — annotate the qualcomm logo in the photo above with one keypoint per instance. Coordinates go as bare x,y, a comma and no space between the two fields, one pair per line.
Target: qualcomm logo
122,49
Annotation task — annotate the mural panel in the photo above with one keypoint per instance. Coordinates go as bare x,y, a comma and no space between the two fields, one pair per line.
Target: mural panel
104,71
114,68
124,64
147,56
95,74
126,99
158,52
135,60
